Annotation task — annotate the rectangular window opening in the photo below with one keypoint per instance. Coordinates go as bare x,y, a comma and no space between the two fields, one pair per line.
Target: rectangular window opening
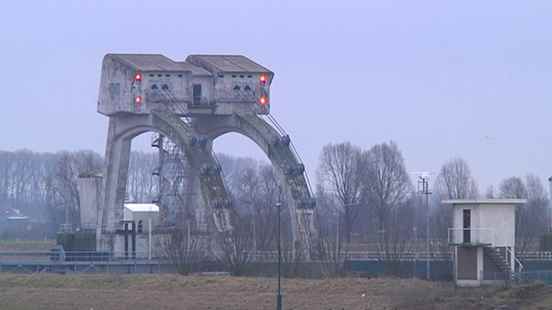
196,93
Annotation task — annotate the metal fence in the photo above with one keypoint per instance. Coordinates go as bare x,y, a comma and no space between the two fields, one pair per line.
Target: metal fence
257,256
544,276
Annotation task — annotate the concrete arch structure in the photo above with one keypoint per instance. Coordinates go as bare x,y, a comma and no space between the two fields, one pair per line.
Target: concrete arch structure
289,171
120,134
203,89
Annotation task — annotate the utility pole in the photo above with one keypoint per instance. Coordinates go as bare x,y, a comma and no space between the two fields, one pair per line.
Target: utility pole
279,295
550,204
423,188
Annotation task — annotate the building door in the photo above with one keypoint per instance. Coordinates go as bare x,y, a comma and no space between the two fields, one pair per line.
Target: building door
467,225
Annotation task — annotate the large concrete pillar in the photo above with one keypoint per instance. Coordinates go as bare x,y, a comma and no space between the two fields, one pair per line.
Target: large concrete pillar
115,179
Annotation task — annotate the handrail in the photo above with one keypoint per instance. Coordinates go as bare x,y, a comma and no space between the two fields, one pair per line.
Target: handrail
476,235
282,132
516,260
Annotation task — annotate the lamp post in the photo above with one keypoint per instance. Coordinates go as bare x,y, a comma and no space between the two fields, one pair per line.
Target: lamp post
279,294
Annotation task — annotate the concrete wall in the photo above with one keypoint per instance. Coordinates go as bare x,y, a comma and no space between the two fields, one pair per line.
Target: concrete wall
500,218
115,87
144,217
89,194
494,224
118,91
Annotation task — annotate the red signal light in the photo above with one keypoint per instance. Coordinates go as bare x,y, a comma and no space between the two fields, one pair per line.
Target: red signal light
138,77
138,99
263,100
263,79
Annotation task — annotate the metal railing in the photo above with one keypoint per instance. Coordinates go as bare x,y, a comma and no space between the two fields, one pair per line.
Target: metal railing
255,256
471,236
70,256
534,255
544,276
404,256
516,260
282,132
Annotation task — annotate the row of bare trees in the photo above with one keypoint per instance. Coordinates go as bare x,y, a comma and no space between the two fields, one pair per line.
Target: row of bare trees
43,186
367,196
363,195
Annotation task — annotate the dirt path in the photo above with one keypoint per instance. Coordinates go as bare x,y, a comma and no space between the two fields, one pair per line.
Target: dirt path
167,292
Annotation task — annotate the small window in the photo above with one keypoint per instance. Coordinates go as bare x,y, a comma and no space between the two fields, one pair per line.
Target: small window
220,75
167,75
247,88
242,76
165,87
196,93
140,227
160,75
152,75
154,87
237,88
180,75
249,76
234,76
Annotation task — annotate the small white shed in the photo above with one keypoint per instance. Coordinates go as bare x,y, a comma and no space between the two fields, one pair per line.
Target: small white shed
483,236
144,215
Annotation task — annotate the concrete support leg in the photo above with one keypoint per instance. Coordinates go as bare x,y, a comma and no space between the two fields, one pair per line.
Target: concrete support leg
115,181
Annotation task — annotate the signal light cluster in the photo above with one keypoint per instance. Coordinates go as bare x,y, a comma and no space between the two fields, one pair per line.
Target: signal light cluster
138,77
263,99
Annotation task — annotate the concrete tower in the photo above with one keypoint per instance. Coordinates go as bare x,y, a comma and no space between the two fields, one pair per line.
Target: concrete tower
192,103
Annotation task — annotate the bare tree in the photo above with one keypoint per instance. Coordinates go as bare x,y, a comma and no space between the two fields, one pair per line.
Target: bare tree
490,192
61,184
386,188
183,249
454,181
234,246
531,218
331,249
340,172
141,185
513,188
399,237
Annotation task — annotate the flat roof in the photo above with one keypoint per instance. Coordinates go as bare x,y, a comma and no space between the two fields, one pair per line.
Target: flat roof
16,218
149,62
227,63
485,201
142,207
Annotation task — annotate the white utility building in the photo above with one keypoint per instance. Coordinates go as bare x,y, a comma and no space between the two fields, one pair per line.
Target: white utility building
483,236
144,215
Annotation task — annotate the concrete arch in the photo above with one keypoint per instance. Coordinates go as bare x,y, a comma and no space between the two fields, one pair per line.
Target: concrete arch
122,129
289,170
206,190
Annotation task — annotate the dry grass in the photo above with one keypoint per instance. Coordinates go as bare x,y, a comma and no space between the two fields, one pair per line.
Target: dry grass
141,292
26,245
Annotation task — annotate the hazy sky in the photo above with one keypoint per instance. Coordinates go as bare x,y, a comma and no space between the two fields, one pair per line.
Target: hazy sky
441,78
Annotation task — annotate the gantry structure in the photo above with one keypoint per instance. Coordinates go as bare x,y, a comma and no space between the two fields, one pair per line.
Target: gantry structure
189,104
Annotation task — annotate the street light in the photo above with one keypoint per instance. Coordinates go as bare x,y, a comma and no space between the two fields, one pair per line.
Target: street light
279,294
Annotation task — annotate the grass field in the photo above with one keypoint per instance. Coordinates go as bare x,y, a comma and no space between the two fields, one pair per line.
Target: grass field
167,292
26,245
